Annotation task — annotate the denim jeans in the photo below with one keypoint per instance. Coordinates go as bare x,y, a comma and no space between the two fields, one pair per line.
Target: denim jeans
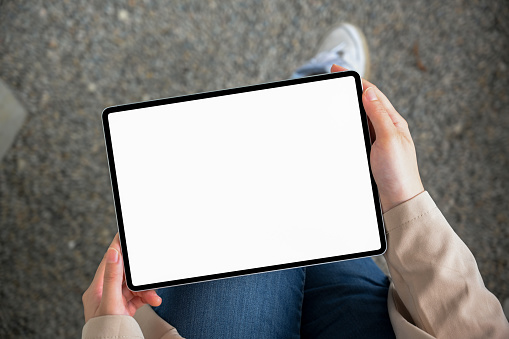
346,299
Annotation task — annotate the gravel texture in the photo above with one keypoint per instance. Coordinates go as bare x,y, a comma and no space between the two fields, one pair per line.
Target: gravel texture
443,64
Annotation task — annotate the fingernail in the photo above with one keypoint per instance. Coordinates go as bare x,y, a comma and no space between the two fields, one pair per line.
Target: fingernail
370,94
111,255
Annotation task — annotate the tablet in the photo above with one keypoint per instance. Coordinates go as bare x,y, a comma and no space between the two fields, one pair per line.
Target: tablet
244,180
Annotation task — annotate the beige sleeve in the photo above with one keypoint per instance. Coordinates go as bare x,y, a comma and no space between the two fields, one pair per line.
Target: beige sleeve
153,326
145,324
112,326
438,286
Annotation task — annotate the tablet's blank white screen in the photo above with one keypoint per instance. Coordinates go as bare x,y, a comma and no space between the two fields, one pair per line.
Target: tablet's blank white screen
243,181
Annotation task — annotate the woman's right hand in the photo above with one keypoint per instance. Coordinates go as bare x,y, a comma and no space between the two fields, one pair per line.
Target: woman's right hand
393,158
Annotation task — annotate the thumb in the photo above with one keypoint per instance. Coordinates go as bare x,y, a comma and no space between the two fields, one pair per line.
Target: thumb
112,283
377,113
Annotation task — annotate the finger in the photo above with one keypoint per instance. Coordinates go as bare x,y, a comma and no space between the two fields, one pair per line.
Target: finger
97,283
116,242
151,297
112,283
336,68
126,292
372,133
135,304
366,84
377,113
396,118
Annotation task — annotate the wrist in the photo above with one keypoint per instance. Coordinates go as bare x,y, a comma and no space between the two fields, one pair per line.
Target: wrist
389,201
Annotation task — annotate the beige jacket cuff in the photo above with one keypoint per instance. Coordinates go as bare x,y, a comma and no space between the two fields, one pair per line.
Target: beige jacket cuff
438,287
145,324
112,327
153,326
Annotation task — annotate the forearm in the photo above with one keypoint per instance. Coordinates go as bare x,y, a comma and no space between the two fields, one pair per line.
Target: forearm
436,275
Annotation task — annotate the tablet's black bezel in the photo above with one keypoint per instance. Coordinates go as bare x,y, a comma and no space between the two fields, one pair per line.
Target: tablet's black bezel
166,101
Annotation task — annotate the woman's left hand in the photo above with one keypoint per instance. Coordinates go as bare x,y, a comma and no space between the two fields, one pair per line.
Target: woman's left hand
108,294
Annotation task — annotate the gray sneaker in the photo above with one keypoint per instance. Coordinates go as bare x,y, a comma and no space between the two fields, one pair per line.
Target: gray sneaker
346,46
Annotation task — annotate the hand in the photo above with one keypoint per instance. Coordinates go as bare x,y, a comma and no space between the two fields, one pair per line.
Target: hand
108,294
393,158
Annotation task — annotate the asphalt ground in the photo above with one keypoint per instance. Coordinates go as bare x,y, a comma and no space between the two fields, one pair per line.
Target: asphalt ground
444,65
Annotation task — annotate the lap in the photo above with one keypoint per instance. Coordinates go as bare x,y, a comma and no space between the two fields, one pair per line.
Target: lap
265,305
346,299
343,299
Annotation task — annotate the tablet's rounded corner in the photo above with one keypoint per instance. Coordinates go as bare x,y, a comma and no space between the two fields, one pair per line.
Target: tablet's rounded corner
354,73
130,285
383,246
106,111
